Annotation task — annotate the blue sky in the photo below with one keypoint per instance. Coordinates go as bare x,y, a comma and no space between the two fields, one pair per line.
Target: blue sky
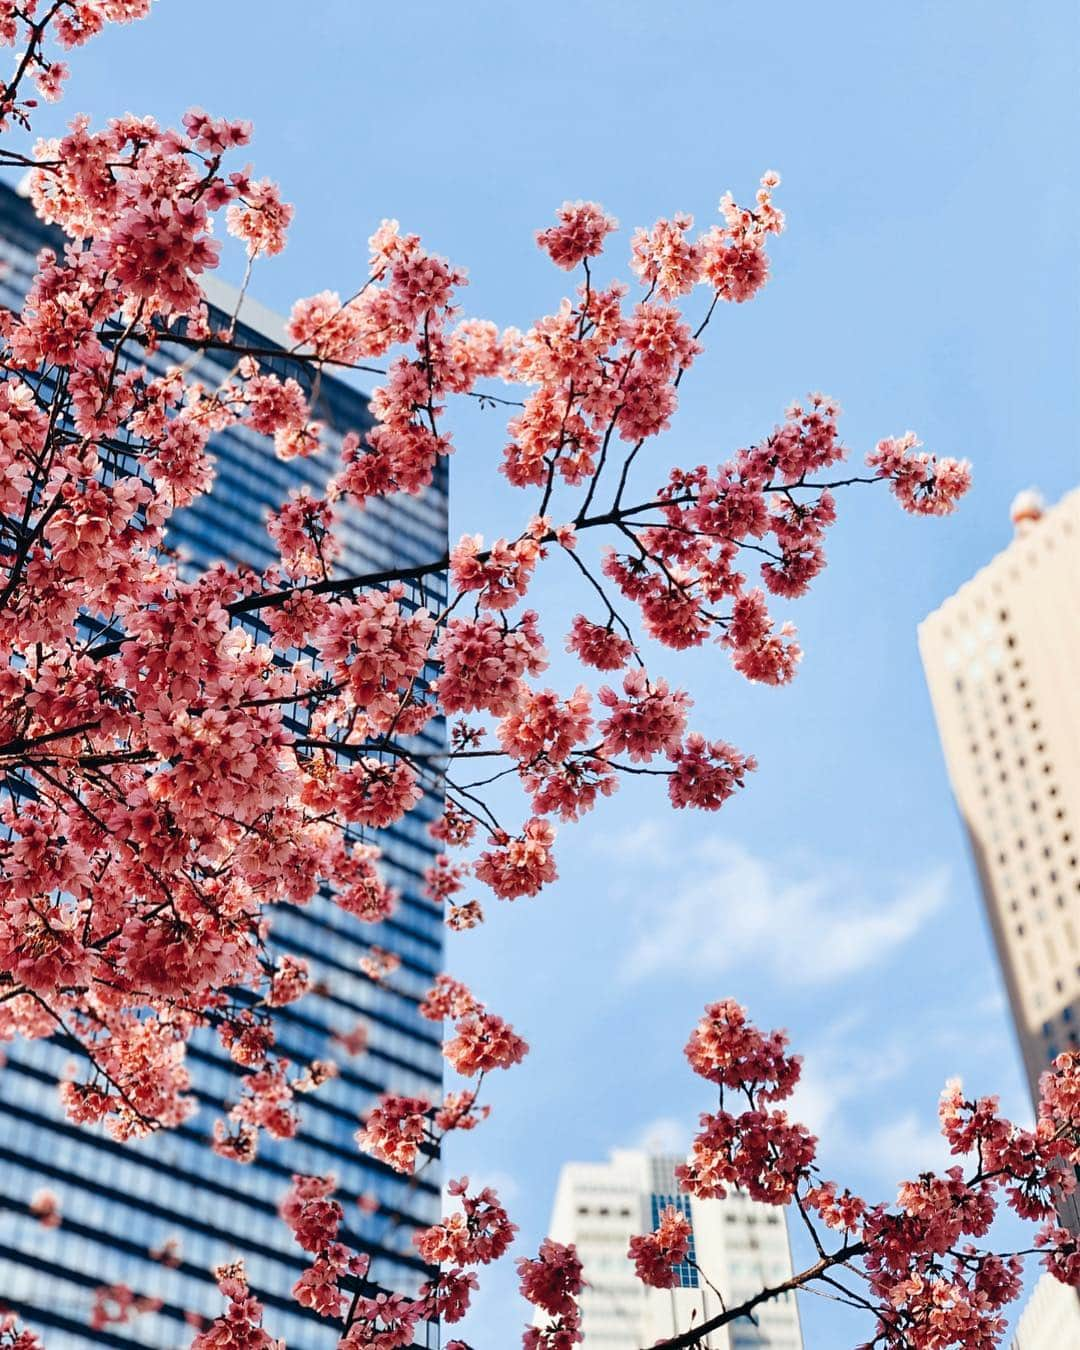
928,279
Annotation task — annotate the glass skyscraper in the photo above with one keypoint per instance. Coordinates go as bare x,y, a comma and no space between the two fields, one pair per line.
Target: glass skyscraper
159,1215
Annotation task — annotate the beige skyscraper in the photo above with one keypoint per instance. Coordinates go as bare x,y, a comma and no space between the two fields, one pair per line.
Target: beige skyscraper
1051,1318
1002,658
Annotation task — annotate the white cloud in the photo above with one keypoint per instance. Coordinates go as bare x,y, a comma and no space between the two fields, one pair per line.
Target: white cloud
728,908
666,1134
648,841
847,1080
905,1147
843,1068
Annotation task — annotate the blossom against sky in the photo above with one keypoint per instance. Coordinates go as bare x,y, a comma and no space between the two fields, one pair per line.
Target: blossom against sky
926,280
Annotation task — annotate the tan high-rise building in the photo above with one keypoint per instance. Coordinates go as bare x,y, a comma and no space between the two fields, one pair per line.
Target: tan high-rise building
1051,1318
1002,658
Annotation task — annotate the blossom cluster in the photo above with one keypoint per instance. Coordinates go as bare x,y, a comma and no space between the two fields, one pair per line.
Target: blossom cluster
920,1269
182,753
551,1282
400,1130
241,1323
314,1217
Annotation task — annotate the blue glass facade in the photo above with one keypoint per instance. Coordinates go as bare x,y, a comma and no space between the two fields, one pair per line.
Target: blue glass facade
687,1270
122,1203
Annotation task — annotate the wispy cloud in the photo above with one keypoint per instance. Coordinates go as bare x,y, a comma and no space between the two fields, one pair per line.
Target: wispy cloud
852,1078
842,1074
902,1148
645,843
666,1134
842,1066
726,907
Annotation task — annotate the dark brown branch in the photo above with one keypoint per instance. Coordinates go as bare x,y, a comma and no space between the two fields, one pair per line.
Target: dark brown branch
693,1337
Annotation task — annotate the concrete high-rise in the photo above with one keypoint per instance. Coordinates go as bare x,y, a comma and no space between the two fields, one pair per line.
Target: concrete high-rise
1002,659
739,1244
122,1204
1051,1318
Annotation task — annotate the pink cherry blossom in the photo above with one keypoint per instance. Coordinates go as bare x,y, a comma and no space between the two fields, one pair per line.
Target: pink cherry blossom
394,1130
648,721
260,218
187,751
519,866
579,234
922,483
655,1255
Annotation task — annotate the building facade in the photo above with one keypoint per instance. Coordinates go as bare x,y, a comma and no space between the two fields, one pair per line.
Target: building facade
158,1216
1001,659
1051,1318
737,1244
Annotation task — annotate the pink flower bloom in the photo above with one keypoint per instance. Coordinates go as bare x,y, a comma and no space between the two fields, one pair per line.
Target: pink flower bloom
261,219
922,483
309,1210
448,998
664,258
596,646
379,964
648,721
376,792
483,663
358,886
386,1322
543,725
14,1339
727,1049
553,1280
318,1289
484,1042
1062,1255
354,1041
707,773
758,652
215,135
474,349
394,1130
157,249
50,81
734,261
569,788
580,234
655,1255
516,867
838,1210
480,1234
460,918
45,1207
303,529
116,1304
459,1111
241,1324
443,879
290,982
502,578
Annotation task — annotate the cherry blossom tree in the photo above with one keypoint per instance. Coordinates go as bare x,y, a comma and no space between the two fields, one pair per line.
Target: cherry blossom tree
158,803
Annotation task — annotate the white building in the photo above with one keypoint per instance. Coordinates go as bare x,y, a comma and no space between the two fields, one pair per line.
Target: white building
738,1244
1051,1318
